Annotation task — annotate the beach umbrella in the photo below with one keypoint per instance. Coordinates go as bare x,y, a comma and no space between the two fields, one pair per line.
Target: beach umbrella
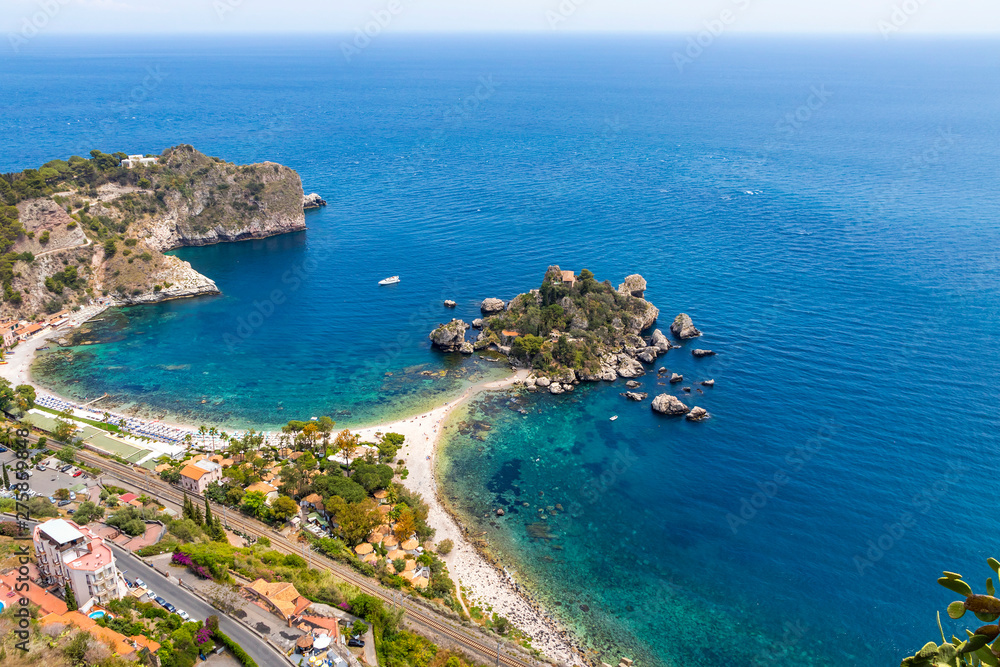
363,549
410,545
389,542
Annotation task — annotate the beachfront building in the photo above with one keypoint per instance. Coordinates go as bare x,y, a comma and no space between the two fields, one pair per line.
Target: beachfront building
270,493
196,477
137,160
72,555
7,329
28,330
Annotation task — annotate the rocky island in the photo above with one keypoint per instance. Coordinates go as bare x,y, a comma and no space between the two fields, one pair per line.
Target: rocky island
572,328
81,229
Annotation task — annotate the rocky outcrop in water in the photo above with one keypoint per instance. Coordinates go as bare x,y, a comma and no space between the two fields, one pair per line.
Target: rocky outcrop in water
311,201
635,395
491,306
676,378
667,404
698,414
450,337
448,303
683,327
634,285
702,353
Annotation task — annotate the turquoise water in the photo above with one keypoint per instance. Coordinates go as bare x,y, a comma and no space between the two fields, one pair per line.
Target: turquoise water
843,264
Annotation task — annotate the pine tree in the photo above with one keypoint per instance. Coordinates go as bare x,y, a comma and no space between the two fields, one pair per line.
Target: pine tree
70,598
186,508
6,480
218,532
198,518
209,520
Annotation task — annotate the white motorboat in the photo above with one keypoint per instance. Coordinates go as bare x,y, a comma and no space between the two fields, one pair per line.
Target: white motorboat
391,280
615,418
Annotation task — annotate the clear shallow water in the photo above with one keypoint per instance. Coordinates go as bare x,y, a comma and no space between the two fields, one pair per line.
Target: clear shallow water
852,297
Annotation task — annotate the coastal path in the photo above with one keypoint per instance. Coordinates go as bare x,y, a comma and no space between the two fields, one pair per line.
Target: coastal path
445,631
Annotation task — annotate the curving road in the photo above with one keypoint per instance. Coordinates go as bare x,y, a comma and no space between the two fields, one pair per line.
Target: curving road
263,653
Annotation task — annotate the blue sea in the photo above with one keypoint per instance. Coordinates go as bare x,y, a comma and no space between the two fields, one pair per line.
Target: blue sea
827,210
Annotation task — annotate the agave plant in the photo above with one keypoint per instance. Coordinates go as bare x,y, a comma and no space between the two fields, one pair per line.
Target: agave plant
981,647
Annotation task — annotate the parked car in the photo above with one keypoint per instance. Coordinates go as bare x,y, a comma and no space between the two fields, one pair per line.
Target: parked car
77,473
169,607
3,449
63,503
40,467
22,475
139,583
183,614
160,601
66,468
70,511
356,642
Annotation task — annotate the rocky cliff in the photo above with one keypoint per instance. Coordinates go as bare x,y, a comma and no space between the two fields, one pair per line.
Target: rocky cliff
80,229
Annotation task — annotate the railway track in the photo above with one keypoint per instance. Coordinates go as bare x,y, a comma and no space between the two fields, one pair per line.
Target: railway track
470,640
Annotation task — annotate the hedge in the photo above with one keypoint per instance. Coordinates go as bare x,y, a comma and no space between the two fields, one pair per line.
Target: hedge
237,650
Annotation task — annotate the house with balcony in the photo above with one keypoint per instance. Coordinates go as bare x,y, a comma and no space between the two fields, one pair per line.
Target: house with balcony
72,555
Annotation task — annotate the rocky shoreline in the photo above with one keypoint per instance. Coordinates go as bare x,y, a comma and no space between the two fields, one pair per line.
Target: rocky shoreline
619,350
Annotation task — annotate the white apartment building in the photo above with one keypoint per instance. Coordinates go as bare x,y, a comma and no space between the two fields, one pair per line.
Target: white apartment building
71,554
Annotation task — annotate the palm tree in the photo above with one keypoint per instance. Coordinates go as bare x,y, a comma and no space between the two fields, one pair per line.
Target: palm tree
213,432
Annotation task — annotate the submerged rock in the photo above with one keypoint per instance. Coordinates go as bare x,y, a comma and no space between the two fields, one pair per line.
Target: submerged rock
683,327
635,395
698,414
707,383
667,404
632,384
702,353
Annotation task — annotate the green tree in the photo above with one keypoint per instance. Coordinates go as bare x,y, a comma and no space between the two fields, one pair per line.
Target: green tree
389,446
371,477
347,444
6,480
284,508
63,431
209,519
356,520
444,547
70,598
255,504
110,248
61,494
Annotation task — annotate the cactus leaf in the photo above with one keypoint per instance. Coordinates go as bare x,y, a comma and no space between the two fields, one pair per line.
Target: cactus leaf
956,609
956,586
985,604
986,618
987,656
989,586
994,564
952,575
974,643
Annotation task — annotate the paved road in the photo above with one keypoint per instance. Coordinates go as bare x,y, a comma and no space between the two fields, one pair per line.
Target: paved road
261,652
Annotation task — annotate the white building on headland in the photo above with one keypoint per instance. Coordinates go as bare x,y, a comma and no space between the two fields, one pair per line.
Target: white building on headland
71,554
136,160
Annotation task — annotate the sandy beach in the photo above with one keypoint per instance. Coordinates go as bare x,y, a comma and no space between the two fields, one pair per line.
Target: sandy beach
485,583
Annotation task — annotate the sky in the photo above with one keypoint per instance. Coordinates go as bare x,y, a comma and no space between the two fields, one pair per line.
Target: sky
877,17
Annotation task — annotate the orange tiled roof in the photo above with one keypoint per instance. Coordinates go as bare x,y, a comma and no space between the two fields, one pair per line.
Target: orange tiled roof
48,603
118,642
313,498
282,595
193,472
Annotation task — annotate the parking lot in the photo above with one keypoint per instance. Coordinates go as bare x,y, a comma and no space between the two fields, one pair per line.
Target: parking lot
45,482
